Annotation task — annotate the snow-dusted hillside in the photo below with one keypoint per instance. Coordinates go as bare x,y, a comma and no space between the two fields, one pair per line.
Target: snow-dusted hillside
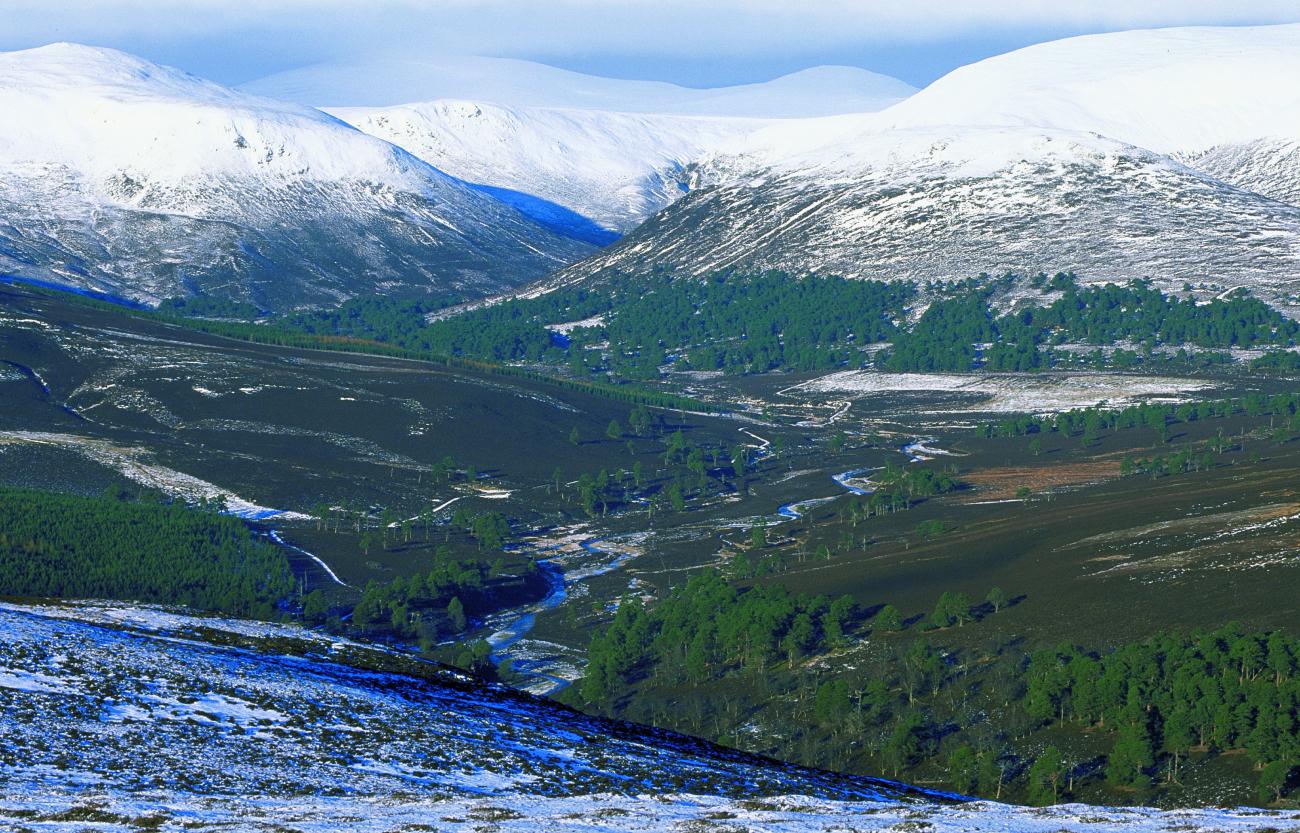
1010,164
144,181
614,168
929,204
120,718
1270,167
386,82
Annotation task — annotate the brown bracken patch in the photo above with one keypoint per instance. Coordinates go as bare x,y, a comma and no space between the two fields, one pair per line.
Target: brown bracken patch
1002,482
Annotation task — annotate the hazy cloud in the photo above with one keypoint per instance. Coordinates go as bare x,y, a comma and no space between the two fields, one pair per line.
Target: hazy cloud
245,37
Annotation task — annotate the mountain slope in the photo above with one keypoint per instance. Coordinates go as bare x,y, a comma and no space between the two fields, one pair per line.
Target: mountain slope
143,181
615,168
386,82
1270,167
976,174
1221,99
948,205
133,718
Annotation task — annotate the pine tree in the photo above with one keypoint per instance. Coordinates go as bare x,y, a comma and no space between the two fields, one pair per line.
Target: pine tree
963,769
906,743
314,607
1045,777
1130,758
456,615
952,608
1273,779
992,773
1178,738
888,619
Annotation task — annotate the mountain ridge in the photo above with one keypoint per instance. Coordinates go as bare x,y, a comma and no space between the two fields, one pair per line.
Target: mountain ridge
394,81
950,183
614,168
130,177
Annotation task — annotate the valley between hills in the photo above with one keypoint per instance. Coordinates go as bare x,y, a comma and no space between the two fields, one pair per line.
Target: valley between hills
703,460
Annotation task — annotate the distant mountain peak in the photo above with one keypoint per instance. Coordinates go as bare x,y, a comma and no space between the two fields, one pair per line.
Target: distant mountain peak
1168,90
145,181
392,81
614,168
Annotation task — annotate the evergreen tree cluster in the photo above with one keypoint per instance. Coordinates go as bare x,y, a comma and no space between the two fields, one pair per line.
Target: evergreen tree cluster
945,336
69,546
1137,312
430,605
752,323
1217,690
747,323
709,627
1277,361
1155,416
898,488
959,331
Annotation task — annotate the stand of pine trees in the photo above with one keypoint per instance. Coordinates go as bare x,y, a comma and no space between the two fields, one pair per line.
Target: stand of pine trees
67,546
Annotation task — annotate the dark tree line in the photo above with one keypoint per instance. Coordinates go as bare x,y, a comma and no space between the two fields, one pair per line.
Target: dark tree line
754,322
709,626
1162,697
949,335
1157,417
440,602
69,546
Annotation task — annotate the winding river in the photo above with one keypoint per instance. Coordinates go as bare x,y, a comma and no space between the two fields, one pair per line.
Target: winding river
915,451
507,630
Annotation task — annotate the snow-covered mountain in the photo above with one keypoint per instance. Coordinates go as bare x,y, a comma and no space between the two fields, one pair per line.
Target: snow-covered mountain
129,718
1010,164
949,204
614,168
1173,154
1167,90
385,82
613,151
136,179
1222,99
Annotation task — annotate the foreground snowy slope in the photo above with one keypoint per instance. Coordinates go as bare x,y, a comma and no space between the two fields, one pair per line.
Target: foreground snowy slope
133,718
147,182
1008,165
385,82
614,168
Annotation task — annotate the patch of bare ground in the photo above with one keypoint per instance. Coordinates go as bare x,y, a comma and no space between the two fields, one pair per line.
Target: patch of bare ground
1004,481
1258,537
1229,523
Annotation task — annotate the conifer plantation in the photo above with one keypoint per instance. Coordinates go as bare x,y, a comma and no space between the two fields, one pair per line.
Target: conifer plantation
70,546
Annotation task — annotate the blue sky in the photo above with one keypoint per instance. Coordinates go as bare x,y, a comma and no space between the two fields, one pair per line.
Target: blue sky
691,42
